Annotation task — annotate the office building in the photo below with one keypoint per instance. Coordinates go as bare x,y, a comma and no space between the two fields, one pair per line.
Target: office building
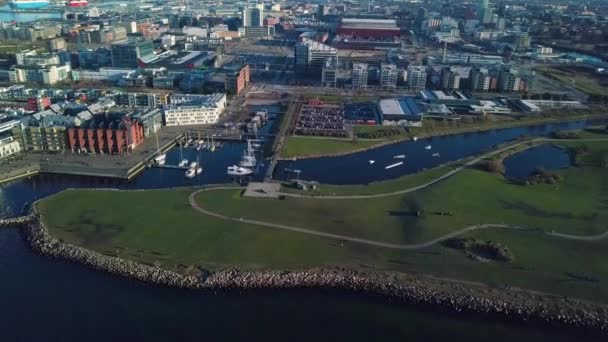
310,55
131,52
253,17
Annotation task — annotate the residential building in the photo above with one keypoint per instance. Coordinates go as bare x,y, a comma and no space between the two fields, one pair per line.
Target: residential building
151,120
106,137
450,79
56,44
388,76
329,74
237,79
360,75
479,79
205,110
416,77
50,74
509,79
9,147
256,31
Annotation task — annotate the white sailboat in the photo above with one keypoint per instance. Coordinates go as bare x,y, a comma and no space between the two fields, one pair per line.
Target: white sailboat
428,147
393,165
160,157
212,146
399,156
248,160
182,161
193,170
238,171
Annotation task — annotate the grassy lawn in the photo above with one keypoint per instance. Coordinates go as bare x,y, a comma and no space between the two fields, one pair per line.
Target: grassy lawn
296,146
580,80
159,227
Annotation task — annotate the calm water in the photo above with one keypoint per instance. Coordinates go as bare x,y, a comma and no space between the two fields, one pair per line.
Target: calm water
7,14
48,300
45,300
548,157
339,170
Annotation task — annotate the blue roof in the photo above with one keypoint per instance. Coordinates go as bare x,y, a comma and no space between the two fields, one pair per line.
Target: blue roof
409,106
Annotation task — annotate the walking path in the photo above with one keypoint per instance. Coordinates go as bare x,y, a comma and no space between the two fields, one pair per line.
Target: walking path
197,207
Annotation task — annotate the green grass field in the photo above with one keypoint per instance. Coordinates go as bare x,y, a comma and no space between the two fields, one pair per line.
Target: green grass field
160,227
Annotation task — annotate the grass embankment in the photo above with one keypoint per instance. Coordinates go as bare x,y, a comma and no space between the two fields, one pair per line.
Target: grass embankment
159,226
301,146
579,79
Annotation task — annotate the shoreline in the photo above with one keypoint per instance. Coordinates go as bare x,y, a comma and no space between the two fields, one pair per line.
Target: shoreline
454,296
442,134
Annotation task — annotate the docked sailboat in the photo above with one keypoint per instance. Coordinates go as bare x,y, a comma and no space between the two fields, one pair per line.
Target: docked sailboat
160,157
212,145
238,171
193,170
183,161
248,160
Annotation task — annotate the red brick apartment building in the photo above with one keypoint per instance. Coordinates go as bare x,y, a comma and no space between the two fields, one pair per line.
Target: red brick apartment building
237,79
113,138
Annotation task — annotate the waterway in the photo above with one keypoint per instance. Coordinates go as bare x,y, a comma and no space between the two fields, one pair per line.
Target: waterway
8,14
48,300
418,155
548,157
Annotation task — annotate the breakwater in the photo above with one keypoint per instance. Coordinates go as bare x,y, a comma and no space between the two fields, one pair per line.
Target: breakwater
412,289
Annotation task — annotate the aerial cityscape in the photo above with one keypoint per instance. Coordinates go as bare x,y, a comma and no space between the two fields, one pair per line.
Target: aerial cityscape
376,170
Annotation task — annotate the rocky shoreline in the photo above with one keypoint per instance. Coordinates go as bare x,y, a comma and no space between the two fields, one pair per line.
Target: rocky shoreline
413,289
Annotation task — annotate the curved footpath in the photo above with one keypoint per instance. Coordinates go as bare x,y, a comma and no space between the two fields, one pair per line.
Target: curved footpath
194,204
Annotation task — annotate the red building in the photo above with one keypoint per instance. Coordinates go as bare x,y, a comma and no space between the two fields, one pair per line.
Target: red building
237,79
369,28
113,138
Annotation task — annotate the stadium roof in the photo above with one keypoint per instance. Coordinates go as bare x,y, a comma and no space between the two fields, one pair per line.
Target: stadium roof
372,24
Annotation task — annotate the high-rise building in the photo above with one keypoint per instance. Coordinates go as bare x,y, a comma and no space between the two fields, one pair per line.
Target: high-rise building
479,79
388,76
416,77
359,75
329,73
322,12
128,53
310,55
508,79
484,12
450,80
253,17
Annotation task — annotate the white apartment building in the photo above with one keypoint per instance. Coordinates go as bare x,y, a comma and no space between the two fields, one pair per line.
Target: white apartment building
205,109
8,147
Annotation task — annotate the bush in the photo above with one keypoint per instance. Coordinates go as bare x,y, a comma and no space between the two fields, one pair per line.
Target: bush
494,166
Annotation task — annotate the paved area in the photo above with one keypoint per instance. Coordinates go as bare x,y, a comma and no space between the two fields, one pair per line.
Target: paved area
263,190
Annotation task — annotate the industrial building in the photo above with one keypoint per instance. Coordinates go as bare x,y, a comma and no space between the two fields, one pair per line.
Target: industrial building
129,53
369,28
400,111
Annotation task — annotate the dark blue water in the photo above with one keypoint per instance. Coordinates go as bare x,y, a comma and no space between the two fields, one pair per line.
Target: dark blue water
548,157
47,300
356,169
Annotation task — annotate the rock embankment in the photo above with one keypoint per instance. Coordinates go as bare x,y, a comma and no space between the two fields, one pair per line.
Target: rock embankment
456,296
15,221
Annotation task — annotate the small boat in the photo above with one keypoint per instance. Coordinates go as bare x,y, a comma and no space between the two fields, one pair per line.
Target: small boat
238,171
415,138
193,165
183,163
399,156
371,162
393,165
193,172
436,155
160,159
428,147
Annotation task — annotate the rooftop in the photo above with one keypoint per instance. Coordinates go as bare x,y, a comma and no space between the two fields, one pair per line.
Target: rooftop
377,24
